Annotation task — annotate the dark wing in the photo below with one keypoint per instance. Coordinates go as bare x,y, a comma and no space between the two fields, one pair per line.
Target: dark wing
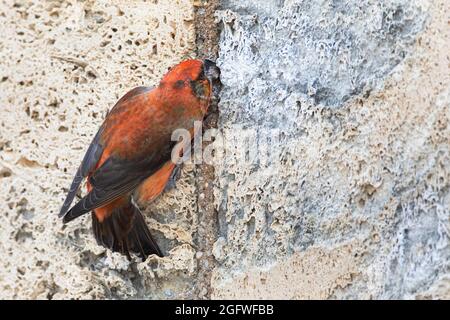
115,178
93,154
90,159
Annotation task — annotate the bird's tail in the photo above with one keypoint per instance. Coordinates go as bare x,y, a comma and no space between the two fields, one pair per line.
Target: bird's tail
125,231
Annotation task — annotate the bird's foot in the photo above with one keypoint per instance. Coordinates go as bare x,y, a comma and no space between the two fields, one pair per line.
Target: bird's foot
174,176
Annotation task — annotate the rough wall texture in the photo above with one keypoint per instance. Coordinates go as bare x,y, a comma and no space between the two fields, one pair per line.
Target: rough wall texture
356,202
353,203
63,65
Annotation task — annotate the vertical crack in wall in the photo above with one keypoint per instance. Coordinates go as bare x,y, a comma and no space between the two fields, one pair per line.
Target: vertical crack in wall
207,34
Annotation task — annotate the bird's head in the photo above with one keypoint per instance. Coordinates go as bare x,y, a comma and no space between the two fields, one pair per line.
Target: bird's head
197,77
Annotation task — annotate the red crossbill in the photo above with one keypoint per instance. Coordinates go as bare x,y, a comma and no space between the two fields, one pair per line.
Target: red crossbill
130,156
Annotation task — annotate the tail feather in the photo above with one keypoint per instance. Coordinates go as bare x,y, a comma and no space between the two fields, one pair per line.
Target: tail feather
125,231
143,238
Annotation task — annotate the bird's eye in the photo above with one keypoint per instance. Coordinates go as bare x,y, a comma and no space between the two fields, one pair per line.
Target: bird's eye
179,84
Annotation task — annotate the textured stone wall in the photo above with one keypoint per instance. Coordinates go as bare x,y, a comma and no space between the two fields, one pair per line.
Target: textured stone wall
63,64
356,203
353,202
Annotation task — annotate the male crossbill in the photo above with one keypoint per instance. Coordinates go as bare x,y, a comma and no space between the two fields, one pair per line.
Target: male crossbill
130,156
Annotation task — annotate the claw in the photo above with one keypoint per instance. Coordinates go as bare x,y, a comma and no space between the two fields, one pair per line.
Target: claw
174,176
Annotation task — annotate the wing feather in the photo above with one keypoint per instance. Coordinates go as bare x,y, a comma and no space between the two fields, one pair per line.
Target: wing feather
89,163
90,159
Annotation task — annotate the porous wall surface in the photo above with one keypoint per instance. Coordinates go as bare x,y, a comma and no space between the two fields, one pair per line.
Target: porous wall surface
63,65
354,202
